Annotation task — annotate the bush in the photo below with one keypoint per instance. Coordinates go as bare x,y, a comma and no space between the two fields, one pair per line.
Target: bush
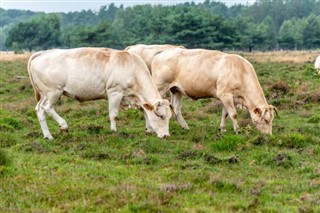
280,88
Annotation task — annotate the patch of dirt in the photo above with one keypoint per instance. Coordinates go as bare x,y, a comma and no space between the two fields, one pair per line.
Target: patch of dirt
313,97
281,159
214,160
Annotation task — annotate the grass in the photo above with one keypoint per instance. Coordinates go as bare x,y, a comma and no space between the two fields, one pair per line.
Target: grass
91,169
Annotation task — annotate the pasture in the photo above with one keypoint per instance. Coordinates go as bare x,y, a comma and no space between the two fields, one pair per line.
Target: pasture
91,169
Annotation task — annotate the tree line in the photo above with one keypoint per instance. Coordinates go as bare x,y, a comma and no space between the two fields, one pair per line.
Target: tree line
264,25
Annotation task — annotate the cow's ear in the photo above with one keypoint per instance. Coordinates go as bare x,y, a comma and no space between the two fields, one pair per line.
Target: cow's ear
148,106
257,111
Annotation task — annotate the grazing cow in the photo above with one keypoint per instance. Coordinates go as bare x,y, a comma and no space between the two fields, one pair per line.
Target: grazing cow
96,73
317,64
147,52
203,73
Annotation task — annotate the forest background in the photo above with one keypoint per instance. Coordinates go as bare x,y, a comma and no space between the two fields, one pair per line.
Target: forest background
265,25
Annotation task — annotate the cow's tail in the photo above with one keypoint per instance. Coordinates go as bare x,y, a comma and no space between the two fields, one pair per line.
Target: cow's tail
36,91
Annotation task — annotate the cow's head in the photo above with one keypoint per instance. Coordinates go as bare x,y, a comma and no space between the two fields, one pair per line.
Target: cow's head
158,116
263,117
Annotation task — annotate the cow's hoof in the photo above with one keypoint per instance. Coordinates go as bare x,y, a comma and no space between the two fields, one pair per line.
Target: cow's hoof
165,137
50,138
238,132
64,130
222,129
149,133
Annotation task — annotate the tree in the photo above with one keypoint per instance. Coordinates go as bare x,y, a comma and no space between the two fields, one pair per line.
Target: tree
193,27
107,12
290,34
39,33
100,35
188,27
133,24
267,34
311,32
247,33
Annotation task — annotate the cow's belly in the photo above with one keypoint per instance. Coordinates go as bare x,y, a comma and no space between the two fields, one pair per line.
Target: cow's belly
85,88
197,88
195,93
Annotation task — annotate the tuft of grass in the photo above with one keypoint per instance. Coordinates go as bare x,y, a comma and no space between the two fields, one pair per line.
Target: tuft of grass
5,163
94,129
314,119
293,140
9,124
218,185
4,159
8,139
281,159
310,71
228,143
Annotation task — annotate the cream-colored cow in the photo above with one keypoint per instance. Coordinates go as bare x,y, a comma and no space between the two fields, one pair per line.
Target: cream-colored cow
317,64
147,52
96,73
213,74
203,73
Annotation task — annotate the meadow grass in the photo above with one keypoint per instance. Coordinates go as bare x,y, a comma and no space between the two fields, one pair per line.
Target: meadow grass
91,169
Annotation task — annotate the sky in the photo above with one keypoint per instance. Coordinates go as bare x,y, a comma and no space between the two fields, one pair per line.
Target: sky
78,5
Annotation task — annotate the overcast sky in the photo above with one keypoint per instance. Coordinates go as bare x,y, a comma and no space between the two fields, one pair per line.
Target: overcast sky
78,5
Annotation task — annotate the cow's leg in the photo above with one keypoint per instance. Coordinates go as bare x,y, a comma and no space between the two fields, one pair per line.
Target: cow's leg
41,114
176,102
149,129
224,116
114,98
228,103
49,108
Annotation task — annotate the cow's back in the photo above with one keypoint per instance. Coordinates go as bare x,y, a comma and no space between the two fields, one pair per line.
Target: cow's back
81,73
148,52
189,70
198,72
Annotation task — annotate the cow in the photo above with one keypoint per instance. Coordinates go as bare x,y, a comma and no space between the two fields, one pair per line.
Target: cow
317,64
88,74
203,73
147,52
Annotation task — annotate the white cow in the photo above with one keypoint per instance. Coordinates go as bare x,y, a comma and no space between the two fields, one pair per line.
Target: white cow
96,73
205,74
317,64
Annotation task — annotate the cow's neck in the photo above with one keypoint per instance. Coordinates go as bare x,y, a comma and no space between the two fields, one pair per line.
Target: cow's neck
254,97
148,92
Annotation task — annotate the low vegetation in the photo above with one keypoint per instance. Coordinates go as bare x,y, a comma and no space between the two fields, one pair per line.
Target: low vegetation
91,169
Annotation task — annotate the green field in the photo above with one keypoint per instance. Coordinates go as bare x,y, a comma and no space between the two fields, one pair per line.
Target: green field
91,169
